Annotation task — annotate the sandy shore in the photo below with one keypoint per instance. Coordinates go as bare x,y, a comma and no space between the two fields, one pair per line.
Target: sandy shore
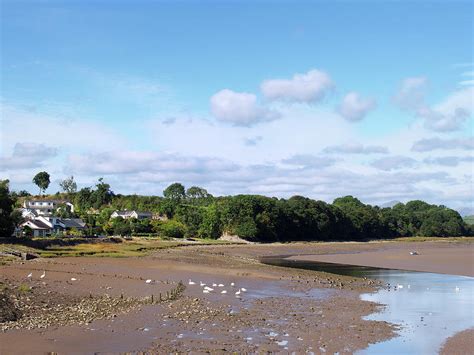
433,257
281,310
461,343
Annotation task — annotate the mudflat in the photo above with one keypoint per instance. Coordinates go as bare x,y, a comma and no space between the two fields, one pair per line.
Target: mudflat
442,258
91,304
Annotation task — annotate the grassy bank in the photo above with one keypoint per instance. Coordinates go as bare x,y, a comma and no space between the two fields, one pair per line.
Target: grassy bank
54,247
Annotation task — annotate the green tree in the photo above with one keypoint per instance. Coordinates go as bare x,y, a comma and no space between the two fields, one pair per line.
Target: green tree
42,181
7,224
68,185
171,229
175,192
197,195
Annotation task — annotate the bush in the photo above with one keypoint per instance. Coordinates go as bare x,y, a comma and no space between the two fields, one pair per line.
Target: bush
172,229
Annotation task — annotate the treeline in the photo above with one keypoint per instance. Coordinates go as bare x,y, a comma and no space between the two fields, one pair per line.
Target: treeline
193,212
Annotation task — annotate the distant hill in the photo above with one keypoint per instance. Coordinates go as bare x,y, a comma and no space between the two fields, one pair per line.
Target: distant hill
469,220
389,204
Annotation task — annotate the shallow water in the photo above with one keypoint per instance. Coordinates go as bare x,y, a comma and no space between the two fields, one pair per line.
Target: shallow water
428,307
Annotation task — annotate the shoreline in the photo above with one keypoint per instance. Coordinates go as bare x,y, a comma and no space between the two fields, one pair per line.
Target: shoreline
266,317
451,259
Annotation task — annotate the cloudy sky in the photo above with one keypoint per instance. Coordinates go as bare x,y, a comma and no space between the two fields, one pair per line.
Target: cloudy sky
323,99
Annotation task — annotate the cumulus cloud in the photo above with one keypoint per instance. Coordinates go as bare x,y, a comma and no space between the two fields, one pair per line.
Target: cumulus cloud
309,87
240,108
450,113
354,107
309,161
253,141
134,162
27,155
449,161
411,93
393,163
430,144
356,148
446,116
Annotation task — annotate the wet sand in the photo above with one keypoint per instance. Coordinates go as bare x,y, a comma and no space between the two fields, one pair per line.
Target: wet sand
437,258
282,309
462,343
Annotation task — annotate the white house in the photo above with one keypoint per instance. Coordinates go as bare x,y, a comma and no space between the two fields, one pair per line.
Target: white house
131,214
45,207
42,226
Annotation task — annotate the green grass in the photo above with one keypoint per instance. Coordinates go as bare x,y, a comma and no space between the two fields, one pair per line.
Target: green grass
24,288
127,248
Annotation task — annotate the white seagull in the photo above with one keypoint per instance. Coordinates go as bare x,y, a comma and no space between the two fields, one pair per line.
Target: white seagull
73,279
148,281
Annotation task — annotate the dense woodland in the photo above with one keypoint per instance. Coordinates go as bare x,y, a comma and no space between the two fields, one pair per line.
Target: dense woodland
196,213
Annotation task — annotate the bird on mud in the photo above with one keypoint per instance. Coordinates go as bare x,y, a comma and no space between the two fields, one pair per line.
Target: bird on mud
148,281
232,284
30,275
223,291
243,289
237,293
191,282
43,275
221,285
414,253
73,279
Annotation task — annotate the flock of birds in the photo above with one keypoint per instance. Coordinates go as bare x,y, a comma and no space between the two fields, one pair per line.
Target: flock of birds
208,289
215,287
43,275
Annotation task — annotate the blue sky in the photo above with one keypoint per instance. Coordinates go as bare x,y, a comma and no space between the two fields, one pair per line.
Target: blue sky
320,98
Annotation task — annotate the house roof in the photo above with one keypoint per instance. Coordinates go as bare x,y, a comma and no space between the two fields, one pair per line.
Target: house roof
37,224
73,223
129,213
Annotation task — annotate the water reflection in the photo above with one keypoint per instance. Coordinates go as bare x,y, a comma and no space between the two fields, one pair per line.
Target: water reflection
428,307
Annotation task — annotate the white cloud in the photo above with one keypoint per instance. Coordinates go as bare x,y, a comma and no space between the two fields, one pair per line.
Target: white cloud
429,144
252,141
309,87
394,163
446,116
29,125
356,148
449,160
308,160
411,93
240,108
354,108
27,155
